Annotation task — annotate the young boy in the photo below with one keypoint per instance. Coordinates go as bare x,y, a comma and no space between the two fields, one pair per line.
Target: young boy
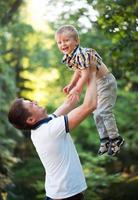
78,59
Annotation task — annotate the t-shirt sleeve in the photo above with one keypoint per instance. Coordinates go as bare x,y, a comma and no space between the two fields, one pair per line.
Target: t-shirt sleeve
58,126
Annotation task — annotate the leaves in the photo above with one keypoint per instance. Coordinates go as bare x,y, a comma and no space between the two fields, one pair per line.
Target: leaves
30,66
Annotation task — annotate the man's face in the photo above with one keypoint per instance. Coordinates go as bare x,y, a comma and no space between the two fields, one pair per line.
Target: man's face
37,112
66,43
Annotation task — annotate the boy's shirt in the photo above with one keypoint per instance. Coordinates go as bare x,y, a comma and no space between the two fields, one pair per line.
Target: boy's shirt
80,58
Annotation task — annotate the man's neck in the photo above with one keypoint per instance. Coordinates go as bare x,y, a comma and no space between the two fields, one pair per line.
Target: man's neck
40,122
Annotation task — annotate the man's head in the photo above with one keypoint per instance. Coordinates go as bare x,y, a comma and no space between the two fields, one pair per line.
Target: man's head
67,38
23,114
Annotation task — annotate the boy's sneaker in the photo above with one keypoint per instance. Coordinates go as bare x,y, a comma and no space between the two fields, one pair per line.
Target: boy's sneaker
115,145
104,146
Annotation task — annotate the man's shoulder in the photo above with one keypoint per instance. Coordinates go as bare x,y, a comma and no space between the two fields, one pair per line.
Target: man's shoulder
54,127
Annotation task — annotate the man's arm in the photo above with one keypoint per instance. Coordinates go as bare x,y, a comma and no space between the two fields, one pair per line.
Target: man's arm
67,106
71,101
77,115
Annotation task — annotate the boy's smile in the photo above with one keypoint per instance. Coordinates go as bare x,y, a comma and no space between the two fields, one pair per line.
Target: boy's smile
66,43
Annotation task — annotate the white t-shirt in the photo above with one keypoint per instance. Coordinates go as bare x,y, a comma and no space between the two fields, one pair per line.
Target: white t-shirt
54,145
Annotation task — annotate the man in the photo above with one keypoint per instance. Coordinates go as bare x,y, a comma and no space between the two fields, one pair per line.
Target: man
51,138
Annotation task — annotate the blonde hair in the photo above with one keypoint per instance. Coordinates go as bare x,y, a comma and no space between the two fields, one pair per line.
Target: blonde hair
68,29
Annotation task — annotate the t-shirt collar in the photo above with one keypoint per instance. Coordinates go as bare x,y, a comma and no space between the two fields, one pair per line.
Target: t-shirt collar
39,123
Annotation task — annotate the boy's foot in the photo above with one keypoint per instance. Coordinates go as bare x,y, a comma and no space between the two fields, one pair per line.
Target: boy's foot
115,145
104,146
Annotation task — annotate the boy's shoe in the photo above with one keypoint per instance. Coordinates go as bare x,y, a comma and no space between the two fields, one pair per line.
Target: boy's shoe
115,145
104,146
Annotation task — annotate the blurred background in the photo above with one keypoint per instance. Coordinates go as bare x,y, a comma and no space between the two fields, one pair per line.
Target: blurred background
30,67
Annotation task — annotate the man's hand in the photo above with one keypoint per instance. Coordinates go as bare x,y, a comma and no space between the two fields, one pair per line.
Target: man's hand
75,90
67,88
74,94
74,97
69,104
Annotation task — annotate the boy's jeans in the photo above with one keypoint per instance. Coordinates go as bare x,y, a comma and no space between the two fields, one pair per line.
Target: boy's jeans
103,115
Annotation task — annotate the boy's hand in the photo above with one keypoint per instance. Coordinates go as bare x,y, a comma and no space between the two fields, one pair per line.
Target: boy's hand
67,88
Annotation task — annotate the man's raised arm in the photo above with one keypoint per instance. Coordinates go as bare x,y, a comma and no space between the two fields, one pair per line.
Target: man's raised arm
67,106
77,115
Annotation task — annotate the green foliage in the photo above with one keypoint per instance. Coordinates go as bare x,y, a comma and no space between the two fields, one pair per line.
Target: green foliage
127,190
29,177
7,93
121,28
24,51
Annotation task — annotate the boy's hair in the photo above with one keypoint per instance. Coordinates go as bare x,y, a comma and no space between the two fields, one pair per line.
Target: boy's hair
68,29
18,114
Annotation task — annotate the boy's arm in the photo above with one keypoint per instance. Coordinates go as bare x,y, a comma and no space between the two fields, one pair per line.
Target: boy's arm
73,81
75,77
81,81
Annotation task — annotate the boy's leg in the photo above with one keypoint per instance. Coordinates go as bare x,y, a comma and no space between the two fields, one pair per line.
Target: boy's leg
104,117
104,138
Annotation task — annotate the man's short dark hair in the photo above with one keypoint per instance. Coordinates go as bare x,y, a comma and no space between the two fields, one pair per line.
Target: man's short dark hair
18,115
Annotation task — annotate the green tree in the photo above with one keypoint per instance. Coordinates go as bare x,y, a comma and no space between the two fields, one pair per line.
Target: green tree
114,35
7,93
26,53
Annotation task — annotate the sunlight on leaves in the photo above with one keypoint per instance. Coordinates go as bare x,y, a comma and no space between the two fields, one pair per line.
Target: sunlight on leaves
40,82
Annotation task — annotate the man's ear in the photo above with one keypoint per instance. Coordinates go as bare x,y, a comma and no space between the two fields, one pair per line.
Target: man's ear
31,120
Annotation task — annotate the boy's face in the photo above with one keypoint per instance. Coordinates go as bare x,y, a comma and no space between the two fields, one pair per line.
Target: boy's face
66,43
